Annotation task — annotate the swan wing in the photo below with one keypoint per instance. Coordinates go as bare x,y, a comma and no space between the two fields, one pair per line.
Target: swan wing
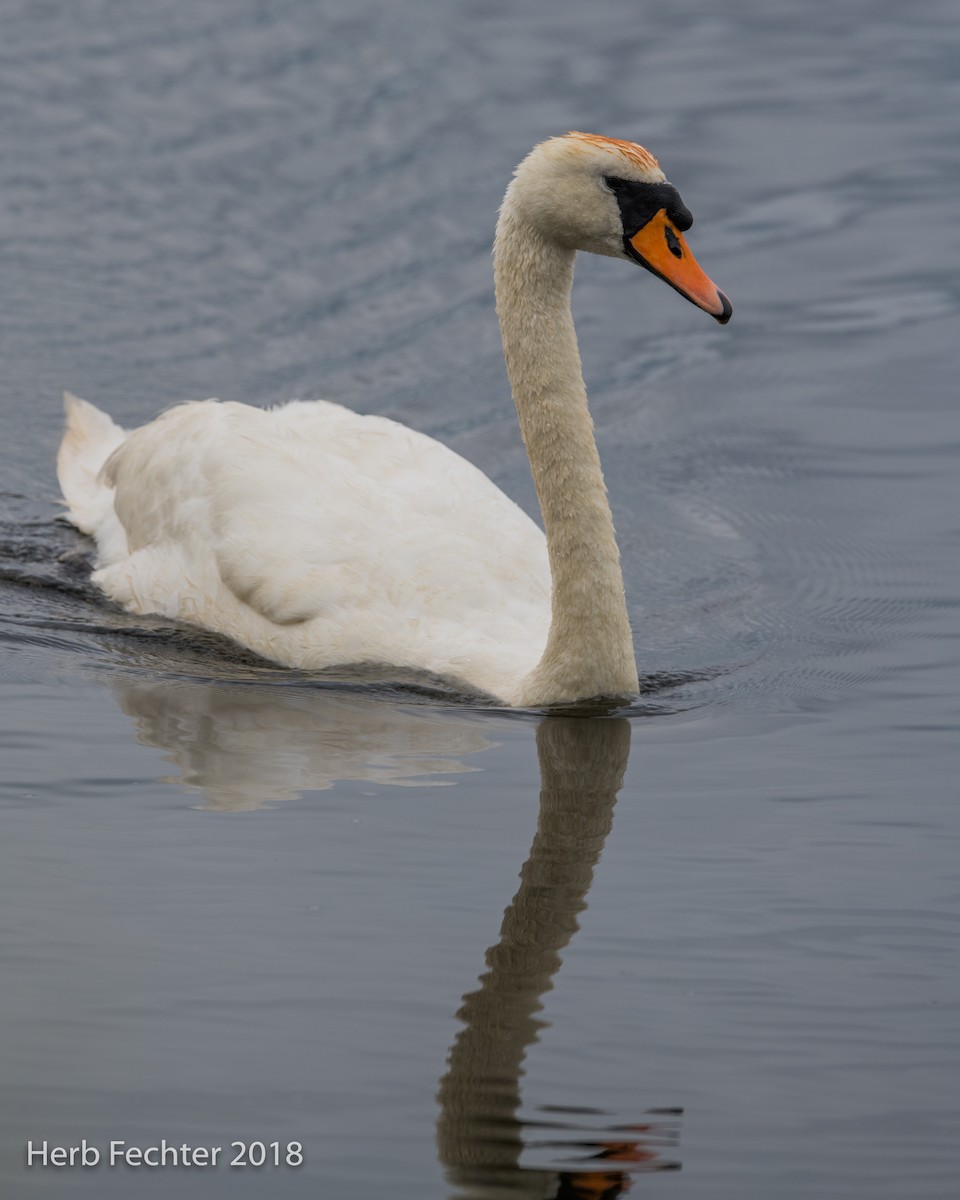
377,536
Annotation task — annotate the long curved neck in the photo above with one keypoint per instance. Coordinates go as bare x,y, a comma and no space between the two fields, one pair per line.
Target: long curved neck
589,649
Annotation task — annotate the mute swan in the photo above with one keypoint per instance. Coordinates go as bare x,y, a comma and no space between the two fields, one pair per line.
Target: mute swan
318,537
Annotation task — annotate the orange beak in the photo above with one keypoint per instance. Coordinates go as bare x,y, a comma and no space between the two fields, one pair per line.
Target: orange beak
660,247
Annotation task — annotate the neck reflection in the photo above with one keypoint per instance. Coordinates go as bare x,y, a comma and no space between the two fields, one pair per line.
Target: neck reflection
479,1134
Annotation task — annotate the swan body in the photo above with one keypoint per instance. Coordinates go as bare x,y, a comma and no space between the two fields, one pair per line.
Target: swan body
318,537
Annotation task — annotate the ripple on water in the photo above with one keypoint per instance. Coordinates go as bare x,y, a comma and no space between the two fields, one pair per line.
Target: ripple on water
888,306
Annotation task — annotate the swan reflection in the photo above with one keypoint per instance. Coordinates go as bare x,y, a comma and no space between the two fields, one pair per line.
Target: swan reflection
246,746
480,1136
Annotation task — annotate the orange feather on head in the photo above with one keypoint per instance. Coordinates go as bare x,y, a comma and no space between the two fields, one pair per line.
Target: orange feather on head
638,155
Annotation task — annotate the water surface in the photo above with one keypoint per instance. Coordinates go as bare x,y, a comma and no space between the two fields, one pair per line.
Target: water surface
240,904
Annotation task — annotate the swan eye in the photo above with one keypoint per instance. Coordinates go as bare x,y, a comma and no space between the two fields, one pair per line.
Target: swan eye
673,242
640,202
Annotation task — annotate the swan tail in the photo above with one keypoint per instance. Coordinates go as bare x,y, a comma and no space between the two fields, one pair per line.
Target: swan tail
88,441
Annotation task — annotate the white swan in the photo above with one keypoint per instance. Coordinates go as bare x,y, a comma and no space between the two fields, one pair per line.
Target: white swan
318,537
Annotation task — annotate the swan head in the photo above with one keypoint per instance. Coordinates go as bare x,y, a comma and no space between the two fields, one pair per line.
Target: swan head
606,196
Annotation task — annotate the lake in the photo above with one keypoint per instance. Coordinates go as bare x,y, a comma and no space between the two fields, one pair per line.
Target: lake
370,939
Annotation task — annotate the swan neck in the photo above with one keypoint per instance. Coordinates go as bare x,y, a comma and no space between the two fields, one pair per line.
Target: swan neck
589,649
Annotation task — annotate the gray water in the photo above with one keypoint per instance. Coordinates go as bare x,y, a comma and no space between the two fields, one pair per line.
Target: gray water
239,904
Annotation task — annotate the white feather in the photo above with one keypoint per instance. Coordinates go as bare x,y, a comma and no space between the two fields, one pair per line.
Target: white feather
313,535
